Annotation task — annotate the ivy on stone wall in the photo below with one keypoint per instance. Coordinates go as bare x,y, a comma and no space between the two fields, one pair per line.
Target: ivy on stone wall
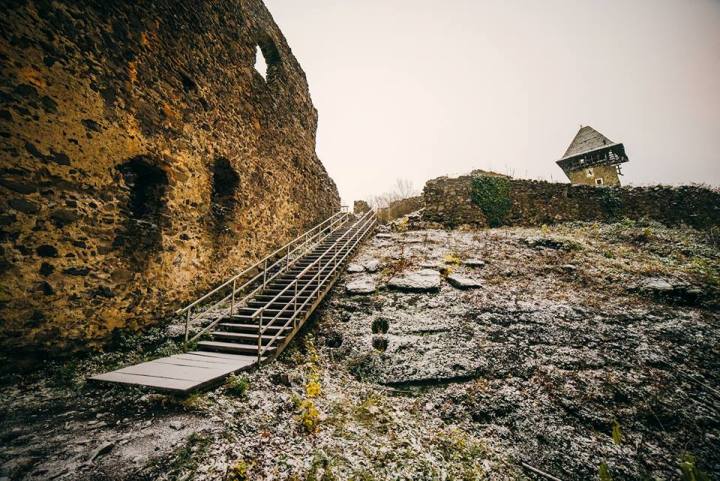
611,202
492,195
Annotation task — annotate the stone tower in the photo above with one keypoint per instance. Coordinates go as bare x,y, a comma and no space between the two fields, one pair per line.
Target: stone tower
593,159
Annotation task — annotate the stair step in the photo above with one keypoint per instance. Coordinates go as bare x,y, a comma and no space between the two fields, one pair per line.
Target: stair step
253,310
244,337
231,347
250,328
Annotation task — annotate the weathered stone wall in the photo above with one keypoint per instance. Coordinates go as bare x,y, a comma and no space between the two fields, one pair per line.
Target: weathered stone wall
360,207
400,208
143,159
449,201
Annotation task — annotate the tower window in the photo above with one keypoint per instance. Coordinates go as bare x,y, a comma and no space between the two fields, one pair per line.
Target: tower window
588,173
599,181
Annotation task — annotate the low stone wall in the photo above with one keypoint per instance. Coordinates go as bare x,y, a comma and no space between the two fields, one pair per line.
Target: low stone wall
449,201
400,208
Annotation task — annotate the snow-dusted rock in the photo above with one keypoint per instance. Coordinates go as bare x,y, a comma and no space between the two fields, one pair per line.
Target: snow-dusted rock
372,266
656,284
474,262
417,281
463,282
364,285
354,268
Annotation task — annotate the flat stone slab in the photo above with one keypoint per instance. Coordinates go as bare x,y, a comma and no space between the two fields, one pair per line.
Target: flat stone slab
354,268
463,282
372,266
361,286
474,262
424,280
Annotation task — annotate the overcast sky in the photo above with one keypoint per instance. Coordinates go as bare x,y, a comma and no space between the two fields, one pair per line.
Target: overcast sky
418,88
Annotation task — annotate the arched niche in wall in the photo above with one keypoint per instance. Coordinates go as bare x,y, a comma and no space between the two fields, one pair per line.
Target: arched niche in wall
144,209
225,183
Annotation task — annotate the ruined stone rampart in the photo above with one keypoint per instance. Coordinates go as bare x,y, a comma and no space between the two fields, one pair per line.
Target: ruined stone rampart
450,201
143,159
400,208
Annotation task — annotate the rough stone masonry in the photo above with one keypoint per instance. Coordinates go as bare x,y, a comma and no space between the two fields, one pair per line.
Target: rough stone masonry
143,159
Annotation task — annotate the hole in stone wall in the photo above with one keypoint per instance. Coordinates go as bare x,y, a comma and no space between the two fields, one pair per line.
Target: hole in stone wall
260,63
225,182
146,184
267,56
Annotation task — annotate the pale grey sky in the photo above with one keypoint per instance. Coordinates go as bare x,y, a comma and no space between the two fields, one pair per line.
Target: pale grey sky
418,88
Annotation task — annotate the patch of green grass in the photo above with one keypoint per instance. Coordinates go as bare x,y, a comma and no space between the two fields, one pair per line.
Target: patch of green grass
690,471
707,270
321,468
604,472
194,402
616,432
186,460
238,471
463,454
237,385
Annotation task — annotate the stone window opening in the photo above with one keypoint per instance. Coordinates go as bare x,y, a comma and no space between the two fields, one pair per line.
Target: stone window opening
147,184
267,57
589,173
141,234
599,181
225,183
260,63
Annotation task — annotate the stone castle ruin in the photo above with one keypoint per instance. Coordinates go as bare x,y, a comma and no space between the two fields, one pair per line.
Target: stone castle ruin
143,159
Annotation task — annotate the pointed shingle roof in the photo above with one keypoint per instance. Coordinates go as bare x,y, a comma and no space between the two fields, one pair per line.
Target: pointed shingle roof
586,140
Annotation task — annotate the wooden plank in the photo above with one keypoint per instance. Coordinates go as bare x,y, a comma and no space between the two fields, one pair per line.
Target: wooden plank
222,355
149,381
206,359
200,363
181,363
184,373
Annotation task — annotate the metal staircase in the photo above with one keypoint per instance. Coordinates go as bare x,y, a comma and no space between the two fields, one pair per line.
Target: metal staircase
250,318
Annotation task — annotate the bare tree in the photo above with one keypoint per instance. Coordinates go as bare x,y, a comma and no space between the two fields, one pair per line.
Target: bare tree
402,189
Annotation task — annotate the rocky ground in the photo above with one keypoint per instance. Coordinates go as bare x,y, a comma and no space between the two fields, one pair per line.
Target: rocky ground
584,351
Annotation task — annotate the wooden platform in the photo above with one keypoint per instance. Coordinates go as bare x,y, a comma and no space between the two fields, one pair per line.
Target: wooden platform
181,373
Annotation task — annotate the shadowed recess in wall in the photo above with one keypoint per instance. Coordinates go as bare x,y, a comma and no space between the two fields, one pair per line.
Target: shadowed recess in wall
225,182
142,232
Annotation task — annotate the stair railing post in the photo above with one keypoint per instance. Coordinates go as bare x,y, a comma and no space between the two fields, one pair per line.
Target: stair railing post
295,297
260,335
265,274
232,300
187,324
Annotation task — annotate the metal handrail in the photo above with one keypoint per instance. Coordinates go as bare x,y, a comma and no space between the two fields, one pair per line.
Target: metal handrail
367,226
310,238
306,269
356,233
330,230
